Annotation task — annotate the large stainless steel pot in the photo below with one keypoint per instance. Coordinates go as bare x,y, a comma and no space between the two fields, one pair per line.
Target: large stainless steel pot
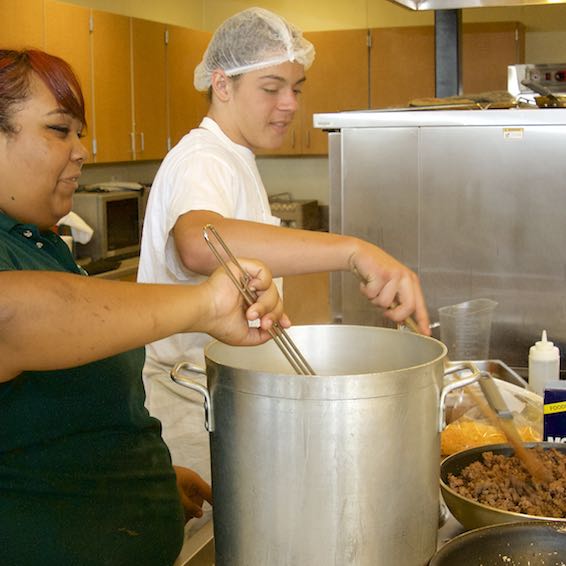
334,469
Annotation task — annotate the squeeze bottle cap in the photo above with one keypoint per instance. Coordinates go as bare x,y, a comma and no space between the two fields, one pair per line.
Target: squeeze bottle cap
544,349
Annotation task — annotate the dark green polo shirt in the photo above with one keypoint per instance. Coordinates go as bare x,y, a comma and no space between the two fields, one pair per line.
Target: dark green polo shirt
85,478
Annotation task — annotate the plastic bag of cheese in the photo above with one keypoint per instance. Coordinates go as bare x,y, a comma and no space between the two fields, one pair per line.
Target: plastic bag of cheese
468,426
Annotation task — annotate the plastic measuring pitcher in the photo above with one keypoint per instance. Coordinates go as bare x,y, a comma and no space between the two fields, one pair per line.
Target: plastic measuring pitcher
465,329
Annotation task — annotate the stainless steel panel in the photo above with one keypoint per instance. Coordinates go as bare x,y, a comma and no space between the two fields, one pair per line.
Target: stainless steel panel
476,210
380,204
447,53
453,4
493,226
436,118
335,218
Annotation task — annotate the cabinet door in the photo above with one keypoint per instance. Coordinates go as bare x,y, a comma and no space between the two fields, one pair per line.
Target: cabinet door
306,298
487,49
21,24
187,106
67,35
150,93
337,81
402,60
112,87
401,65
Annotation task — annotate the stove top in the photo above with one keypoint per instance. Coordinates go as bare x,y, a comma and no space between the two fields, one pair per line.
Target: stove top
551,76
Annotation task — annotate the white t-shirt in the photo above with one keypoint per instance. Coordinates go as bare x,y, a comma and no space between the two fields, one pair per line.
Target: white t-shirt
204,171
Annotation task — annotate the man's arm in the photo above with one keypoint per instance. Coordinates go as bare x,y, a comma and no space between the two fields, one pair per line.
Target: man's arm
288,251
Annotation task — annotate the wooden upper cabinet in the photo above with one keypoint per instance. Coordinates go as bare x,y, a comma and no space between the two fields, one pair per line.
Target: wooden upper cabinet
487,50
187,106
402,60
150,90
21,24
401,65
137,75
67,35
112,87
336,81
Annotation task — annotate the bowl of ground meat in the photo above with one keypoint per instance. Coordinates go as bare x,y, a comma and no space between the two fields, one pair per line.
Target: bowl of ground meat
489,485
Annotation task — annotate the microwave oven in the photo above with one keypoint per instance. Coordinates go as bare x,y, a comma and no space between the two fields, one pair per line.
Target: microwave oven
116,217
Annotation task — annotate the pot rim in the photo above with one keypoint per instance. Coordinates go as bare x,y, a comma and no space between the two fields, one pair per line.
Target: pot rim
419,337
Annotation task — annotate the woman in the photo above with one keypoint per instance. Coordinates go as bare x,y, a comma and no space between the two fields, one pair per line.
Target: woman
85,477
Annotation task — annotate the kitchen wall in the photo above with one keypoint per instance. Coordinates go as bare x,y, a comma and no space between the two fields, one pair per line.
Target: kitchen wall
307,177
303,177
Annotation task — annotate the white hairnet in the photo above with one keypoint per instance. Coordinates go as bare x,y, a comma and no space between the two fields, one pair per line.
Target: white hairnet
253,39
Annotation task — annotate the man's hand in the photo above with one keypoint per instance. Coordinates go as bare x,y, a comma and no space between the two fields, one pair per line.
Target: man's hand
389,284
193,491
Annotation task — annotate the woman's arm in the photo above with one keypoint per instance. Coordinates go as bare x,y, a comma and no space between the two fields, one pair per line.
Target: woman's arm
54,320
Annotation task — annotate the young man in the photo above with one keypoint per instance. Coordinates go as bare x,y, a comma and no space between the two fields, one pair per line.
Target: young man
254,68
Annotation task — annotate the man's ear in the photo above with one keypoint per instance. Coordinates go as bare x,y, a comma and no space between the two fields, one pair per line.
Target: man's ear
220,84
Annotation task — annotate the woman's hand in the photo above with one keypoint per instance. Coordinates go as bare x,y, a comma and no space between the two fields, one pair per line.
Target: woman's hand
230,314
193,491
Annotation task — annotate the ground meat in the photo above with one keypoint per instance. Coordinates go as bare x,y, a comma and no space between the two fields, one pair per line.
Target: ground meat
502,482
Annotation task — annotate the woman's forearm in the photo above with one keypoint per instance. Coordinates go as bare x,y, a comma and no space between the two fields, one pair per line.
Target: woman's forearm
52,320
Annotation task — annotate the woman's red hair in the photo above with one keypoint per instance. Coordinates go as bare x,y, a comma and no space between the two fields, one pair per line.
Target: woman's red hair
16,68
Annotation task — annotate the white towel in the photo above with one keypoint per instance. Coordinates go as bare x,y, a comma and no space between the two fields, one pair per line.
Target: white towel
80,230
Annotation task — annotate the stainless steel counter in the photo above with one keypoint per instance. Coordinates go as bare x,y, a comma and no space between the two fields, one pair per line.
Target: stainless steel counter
410,117
198,550
472,200
449,530
128,268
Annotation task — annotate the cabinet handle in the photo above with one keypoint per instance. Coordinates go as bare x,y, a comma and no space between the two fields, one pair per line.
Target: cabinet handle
293,139
142,141
308,138
133,143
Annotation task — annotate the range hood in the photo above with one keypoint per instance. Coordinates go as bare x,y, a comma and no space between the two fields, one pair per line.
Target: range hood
422,5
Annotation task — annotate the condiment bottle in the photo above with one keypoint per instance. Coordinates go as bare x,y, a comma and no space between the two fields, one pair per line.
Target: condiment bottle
544,364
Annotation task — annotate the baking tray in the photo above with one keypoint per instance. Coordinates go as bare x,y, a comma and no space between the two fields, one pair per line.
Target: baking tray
497,369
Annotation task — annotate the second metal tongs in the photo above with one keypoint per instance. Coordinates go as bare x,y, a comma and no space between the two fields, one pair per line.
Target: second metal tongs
279,335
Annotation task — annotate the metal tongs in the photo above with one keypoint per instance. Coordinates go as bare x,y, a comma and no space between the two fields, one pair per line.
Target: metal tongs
280,337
